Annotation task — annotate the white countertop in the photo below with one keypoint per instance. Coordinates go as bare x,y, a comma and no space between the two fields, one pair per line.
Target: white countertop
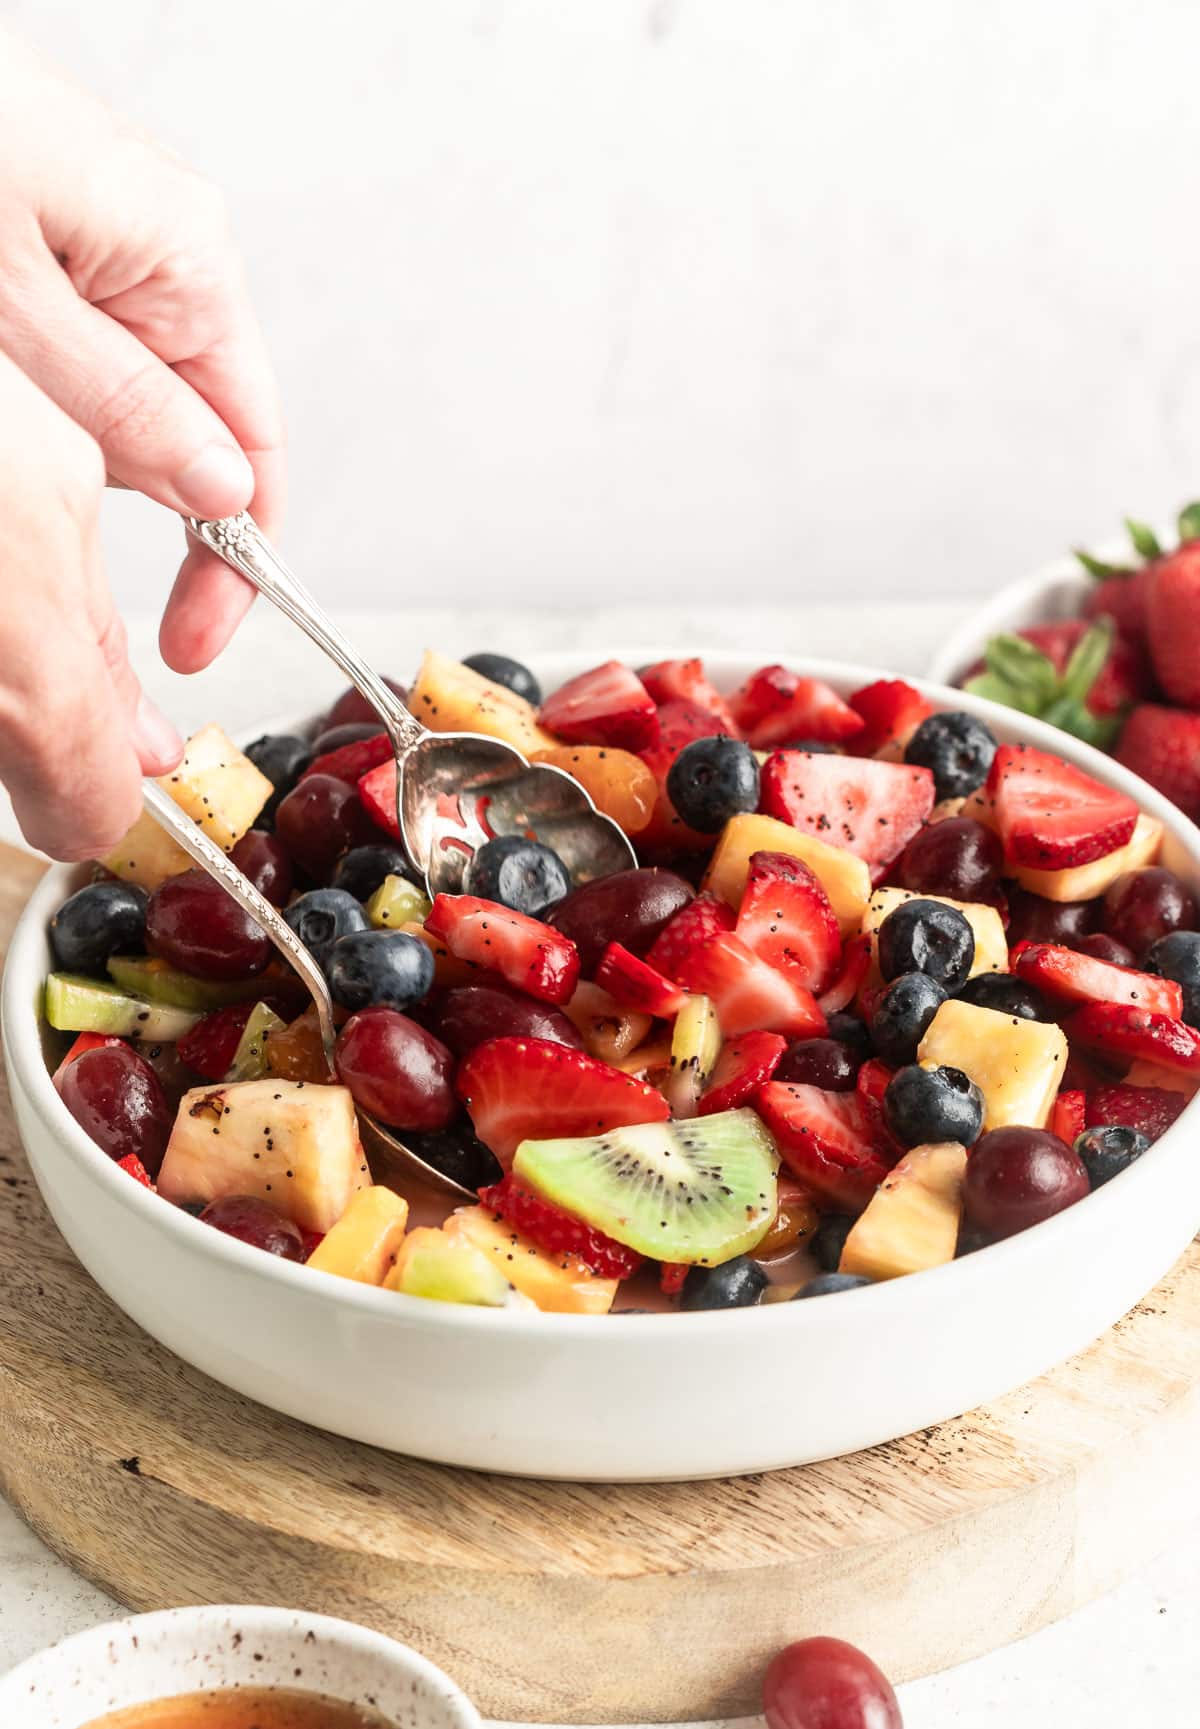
1132,1658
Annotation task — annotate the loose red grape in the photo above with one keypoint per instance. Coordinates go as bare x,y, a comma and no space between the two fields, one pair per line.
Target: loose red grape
825,1063
319,820
263,858
115,1096
257,1223
959,858
630,908
351,707
1142,906
193,924
351,732
1017,1177
396,1070
1105,948
828,1684
469,1015
1034,919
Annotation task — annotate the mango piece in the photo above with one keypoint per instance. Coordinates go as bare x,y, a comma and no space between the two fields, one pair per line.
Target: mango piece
1016,1064
557,1284
1085,882
912,1220
450,697
845,878
991,944
365,1242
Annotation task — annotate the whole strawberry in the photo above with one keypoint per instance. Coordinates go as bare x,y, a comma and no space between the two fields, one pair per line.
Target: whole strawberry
1163,746
1173,623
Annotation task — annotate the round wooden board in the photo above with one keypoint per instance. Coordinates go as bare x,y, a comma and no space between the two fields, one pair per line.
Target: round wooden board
583,1604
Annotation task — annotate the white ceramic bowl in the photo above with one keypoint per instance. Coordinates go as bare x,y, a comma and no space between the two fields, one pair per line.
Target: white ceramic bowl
152,1657
618,1397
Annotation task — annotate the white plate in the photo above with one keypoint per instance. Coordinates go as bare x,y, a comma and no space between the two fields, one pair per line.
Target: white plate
613,1398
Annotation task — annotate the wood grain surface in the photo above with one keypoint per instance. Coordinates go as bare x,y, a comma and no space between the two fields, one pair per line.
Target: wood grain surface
568,1603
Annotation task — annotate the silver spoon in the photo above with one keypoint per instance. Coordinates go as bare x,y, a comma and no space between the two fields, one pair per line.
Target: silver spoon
379,1140
454,791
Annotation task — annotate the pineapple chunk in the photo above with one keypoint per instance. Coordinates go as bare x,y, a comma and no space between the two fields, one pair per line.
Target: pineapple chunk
447,1268
219,788
1148,1074
450,697
559,1284
911,1221
365,1242
288,1142
609,1032
845,878
991,944
1016,1064
1085,882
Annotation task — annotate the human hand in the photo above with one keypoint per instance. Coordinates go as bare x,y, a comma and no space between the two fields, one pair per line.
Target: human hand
76,735
122,297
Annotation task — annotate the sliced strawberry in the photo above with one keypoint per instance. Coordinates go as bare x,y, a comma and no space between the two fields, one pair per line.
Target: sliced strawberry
532,956
608,705
671,1277
749,993
1068,1117
685,681
680,724
636,985
1151,1110
84,1042
744,1065
133,1167
891,711
825,1141
856,964
872,808
691,926
350,762
1124,1031
786,918
1051,815
377,793
558,1232
874,1078
212,1044
776,706
532,1089
1079,978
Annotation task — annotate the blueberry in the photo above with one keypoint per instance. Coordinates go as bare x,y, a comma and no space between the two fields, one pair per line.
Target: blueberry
814,746
926,936
388,967
734,1284
938,1104
510,673
826,1284
283,758
711,780
1108,1149
361,870
1007,995
825,1063
457,1153
321,916
902,1014
1177,956
518,873
829,1239
96,922
957,747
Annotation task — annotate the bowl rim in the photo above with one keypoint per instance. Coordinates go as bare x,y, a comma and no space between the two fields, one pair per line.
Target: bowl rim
1004,1260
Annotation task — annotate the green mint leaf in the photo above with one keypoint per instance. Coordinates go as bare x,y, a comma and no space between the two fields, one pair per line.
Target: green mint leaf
1076,718
1189,522
1145,541
1096,566
1088,658
1030,673
999,690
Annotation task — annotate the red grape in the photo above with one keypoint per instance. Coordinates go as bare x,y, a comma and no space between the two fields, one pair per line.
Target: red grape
352,732
828,1684
350,707
1034,919
959,858
257,1223
1106,948
825,1063
193,924
469,1015
115,1096
396,1070
1017,1177
630,907
263,859
1142,906
319,820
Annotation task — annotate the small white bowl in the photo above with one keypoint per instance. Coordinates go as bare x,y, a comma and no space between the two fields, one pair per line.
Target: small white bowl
151,1657
625,1397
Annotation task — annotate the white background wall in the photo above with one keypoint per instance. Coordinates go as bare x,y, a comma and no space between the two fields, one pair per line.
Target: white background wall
735,297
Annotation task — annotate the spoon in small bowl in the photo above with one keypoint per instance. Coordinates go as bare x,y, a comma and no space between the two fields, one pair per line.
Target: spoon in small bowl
380,1141
454,791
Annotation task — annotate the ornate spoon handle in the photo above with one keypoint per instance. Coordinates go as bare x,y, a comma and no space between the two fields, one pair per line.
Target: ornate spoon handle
209,856
243,546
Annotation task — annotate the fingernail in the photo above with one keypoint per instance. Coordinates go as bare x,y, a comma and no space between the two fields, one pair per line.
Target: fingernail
217,482
157,743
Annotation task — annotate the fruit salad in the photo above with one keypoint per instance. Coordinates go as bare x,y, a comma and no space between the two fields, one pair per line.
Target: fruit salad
879,992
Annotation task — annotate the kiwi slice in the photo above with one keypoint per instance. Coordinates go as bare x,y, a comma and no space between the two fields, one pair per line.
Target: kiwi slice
701,1191
75,1004
432,1263
695,1047
146,976
250,1058
397,902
